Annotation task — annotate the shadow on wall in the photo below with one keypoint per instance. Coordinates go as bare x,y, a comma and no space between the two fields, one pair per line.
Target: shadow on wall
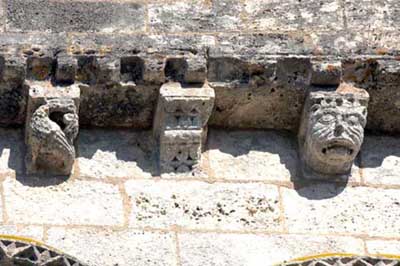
253,155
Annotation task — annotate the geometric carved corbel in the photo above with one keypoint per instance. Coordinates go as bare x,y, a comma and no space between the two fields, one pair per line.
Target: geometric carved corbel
332,131
180,125
52,126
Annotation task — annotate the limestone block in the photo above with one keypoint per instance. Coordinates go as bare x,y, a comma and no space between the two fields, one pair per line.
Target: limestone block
294,15
255,250
34,200
329,208
51,128
130,247
82,16
332,131
180,119
379,15
267,94
118,105
195,16
204,206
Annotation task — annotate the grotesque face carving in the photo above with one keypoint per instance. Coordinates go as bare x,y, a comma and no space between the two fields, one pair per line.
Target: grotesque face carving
332,131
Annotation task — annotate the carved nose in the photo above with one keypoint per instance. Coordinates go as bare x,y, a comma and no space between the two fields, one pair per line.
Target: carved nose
339,129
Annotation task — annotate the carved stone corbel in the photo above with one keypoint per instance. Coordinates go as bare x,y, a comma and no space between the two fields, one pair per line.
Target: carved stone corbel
52,126
180,125
332,131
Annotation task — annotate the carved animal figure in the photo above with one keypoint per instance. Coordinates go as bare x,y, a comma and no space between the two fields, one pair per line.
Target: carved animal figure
52,131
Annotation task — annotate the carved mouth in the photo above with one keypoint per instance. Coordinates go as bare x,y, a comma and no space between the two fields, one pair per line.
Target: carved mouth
339,149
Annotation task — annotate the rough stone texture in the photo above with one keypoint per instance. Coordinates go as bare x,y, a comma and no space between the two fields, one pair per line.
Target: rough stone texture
251,155
180,125
198,205
251,250
332,130
118,105
195,16
328,208
115,154
51,128
50,201
124,248
380,160
294,15
102,16
372,15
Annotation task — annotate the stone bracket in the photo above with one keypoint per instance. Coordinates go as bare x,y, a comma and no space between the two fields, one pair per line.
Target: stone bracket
52,126
180,125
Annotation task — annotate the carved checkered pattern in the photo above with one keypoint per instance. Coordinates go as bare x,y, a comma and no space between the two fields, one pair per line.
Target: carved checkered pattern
13,253
347,261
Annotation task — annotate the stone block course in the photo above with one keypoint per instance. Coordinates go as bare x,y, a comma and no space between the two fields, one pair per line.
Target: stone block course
39,201
67,16
330,208
30,231
382,15
254,250
294,15
198,205
195,16
377,247
110,248
252,155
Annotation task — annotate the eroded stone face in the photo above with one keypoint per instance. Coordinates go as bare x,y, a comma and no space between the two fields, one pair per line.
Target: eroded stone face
332,130
51,130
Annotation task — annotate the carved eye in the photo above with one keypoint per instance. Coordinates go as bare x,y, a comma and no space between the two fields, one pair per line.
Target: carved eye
352,120
327,118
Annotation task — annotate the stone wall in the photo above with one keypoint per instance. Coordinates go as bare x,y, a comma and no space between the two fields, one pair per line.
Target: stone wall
245,49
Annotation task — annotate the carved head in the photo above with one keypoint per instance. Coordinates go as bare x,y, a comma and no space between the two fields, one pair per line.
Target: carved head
332,129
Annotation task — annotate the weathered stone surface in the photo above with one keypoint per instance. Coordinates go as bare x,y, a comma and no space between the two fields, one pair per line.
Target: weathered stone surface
332,130
380,160
49,201
372,15
198,205
52,126
180,125
251,155
110,248
294,15
11,151
30,231
377,247
195,16
382,85
258,95
251,250
115,154
329,208
60,16
118,105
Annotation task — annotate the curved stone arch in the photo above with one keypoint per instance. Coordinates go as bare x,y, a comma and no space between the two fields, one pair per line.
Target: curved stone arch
345,260
16,250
